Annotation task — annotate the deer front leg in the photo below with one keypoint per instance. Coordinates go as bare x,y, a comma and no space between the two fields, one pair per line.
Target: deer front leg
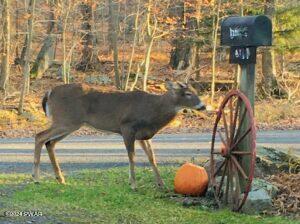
131,156
147,147
129,143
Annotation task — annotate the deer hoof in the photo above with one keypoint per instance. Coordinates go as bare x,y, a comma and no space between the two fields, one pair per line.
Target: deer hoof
61,180
133,186
160,184
35,179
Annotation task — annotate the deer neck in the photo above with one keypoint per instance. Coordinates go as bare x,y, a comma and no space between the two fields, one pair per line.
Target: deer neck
170,103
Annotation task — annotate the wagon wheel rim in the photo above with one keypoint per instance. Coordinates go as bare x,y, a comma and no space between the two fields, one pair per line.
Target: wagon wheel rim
228,188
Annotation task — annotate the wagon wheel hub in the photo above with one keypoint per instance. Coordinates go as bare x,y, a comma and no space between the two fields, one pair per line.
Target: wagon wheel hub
224,151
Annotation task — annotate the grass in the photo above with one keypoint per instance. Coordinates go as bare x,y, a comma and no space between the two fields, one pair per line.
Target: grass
104,196
275,111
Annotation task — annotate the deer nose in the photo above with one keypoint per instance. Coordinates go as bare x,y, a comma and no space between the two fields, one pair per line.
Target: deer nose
200,106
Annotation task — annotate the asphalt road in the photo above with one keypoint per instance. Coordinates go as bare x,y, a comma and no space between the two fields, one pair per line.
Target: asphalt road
76,153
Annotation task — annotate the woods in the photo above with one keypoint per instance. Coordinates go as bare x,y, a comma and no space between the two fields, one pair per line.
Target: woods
5,63
127,44
214,83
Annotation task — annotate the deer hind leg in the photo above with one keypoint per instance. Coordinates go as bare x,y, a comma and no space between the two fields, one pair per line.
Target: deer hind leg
147,147
50,148
40,139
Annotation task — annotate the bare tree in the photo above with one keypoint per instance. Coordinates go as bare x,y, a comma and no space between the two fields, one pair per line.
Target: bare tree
26,67
214,37
114,39
45,56
149,42
136,20
65,8
88,58
238,68
186,43
5,66
269,82
151,35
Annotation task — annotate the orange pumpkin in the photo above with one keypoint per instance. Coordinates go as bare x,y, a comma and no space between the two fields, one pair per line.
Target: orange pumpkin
191,179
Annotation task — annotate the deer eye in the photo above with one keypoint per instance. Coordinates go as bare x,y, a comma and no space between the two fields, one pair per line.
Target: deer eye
188,95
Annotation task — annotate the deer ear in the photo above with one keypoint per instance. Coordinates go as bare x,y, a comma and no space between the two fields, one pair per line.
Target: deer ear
172,85
182,85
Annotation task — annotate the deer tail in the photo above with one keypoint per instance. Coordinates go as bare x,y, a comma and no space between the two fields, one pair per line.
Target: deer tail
45,104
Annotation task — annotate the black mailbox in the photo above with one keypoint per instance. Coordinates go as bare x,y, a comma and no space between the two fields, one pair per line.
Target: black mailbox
246,31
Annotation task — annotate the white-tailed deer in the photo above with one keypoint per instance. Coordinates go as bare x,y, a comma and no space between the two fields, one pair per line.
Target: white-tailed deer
135,115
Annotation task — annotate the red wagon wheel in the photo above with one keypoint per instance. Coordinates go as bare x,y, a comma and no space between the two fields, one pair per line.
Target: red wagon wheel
232,162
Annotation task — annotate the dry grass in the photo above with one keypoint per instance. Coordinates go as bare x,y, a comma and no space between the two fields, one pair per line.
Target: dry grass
33,116
276,111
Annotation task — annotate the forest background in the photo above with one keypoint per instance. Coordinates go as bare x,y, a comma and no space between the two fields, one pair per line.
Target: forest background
137,44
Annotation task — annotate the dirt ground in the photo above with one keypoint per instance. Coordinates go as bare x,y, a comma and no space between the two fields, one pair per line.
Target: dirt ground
287,202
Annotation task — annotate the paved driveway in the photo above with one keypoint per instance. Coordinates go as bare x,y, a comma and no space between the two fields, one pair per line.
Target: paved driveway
75,153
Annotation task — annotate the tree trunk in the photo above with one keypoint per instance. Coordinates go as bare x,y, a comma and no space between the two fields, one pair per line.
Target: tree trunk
88,59
26,67
5,69
20,61
17,56
185,50
45,56
63,28
136,21
147,62
269,82
113,37
183,54
237,77
214,42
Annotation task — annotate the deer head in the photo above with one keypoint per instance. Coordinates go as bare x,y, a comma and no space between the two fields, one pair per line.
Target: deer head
184,95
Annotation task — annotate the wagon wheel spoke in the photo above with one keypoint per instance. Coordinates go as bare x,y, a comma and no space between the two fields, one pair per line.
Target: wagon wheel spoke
216,153
222,138
225,126
239,167
237,191
235,120
222,179
227,187
220,167
241,122
232,184
230,120
241,138
241,153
